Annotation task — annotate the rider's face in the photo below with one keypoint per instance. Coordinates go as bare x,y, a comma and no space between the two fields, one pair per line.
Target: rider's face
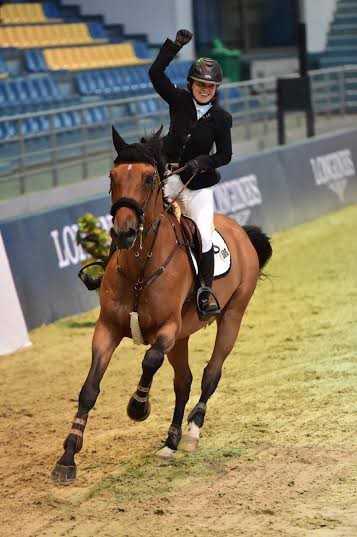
203,92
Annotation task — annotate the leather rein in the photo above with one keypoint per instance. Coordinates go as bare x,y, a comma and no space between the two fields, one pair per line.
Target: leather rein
154,227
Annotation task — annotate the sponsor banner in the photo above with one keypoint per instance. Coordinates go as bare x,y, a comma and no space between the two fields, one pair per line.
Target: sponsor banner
252,189
321,175
45,258
291,184
274,190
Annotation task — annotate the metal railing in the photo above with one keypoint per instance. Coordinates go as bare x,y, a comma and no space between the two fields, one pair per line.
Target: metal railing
39,160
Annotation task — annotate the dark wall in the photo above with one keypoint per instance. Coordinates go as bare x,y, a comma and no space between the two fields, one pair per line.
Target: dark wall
279,23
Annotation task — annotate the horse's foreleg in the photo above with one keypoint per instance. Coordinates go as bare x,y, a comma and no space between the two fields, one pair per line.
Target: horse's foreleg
139,405
178,358
103,345
227,333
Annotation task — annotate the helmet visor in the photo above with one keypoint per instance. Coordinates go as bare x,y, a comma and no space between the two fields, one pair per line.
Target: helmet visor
205,80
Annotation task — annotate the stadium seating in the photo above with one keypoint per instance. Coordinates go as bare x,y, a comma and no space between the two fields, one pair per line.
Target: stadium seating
45,35
52,58
28,13
94,57
22,95
123,82
342,37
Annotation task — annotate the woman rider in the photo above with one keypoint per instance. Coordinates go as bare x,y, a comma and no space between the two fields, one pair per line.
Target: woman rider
196,123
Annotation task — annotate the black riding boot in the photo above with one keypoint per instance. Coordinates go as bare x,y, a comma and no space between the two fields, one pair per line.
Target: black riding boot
207,303
92,282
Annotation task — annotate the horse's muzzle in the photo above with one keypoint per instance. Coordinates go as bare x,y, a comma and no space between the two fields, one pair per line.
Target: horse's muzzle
126,239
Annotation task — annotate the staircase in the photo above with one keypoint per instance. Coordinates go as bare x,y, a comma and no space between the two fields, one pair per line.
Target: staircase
341,46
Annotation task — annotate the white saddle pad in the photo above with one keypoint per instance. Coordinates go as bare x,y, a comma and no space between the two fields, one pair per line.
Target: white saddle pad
222,256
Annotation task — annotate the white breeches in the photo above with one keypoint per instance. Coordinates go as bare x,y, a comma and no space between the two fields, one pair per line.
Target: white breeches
196,204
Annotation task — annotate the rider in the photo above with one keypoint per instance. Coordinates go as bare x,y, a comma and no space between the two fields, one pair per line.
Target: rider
196,123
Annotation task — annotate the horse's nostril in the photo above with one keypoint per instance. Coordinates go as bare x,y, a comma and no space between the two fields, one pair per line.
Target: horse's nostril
131,233
126,239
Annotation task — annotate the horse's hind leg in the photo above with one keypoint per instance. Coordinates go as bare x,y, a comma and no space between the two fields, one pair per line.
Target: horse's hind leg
103,345
178,358
227,333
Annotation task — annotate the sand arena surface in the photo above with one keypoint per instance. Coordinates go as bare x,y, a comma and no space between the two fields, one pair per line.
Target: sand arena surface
278,453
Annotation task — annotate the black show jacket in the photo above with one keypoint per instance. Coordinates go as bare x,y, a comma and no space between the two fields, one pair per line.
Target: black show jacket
188,138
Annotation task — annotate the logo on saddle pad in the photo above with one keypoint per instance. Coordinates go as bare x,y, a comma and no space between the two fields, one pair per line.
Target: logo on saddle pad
224,253
235,198
333,170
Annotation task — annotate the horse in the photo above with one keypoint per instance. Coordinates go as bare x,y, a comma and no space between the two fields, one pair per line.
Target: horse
150,263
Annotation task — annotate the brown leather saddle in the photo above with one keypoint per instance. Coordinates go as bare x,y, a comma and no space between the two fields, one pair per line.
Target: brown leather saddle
192,238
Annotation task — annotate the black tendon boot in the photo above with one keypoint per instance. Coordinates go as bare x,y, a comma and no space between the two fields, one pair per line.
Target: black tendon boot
207,303
93,282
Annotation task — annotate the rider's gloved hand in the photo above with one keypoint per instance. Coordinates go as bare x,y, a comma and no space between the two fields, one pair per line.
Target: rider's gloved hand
192,166
183,37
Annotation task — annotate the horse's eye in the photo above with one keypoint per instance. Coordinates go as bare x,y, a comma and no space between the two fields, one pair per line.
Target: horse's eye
148,180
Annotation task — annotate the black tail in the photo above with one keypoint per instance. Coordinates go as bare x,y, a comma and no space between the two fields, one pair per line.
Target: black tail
261,243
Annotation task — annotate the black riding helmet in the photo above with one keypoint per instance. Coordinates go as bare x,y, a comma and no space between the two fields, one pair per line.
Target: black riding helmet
206,70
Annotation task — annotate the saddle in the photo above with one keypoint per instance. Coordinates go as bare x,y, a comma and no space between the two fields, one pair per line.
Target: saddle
192,237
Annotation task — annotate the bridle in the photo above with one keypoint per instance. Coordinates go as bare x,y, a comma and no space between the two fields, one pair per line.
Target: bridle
131,203
154,227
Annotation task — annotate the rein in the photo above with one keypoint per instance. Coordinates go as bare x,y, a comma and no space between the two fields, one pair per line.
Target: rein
170,205
142,282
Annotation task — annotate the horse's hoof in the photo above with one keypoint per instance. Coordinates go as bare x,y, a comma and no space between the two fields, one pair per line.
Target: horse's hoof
64,475
189,443
138,411
165,453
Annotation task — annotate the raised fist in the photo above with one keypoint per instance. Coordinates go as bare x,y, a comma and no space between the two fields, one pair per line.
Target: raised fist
183,37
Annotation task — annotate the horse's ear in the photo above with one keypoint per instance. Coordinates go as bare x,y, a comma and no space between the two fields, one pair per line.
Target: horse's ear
118,141
157,134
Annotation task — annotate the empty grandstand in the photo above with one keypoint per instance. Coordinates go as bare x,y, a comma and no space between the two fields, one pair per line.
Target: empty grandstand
66,76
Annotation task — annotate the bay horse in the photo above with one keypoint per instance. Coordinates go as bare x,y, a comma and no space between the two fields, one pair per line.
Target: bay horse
147,293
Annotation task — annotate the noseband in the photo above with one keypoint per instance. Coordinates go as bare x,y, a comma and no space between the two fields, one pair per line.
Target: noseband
131,203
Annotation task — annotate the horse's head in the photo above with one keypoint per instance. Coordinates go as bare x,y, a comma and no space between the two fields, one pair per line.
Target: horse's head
135,185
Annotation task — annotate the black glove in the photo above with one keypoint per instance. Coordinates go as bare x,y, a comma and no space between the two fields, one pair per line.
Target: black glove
192,166
183,37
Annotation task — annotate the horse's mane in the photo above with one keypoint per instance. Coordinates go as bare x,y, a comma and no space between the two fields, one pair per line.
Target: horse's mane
148,150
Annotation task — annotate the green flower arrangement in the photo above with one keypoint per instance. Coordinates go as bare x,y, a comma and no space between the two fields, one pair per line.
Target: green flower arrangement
93,238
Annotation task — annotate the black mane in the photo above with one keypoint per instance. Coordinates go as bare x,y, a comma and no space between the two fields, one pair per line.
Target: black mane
147,151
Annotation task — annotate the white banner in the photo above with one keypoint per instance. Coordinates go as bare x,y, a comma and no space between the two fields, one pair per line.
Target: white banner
13,331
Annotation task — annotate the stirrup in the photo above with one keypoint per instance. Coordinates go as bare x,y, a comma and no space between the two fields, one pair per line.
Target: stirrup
89,281
209,309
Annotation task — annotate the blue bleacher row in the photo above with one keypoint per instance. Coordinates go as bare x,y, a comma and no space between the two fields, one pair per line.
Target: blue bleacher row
22,95
62,120
26,94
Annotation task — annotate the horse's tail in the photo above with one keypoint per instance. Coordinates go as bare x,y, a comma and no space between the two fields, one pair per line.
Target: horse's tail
261,243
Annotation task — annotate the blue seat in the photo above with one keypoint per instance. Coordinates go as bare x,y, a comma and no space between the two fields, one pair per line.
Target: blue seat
9,129
10,95
3,67
153,106
96,30
35,61
83,84
50,10
142,50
